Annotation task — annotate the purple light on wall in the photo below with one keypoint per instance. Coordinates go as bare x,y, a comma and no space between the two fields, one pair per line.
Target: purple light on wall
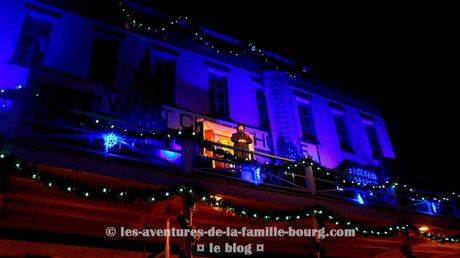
11,20
73,56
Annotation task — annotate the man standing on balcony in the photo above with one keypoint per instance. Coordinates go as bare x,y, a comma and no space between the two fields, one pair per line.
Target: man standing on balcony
241,140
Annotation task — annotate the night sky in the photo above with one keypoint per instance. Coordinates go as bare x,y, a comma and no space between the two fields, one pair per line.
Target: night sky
405,58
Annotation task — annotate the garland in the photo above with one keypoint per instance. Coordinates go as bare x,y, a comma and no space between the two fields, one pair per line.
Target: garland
138,133
218,46
194,193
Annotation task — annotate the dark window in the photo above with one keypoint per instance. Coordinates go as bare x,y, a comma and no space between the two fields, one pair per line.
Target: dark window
373,140
262,108
103,60
342,132
306,121
218,99
164,80
33,41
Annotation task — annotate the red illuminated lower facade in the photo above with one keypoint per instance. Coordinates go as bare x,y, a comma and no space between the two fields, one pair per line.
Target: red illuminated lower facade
41,221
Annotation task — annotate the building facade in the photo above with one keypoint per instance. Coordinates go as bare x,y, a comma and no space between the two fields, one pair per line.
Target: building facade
101,93
190,84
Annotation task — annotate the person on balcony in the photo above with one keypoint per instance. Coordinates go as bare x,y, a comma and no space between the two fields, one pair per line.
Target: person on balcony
241,140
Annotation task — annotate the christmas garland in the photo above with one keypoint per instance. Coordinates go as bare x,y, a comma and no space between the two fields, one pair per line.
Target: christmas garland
194,193
102,124
142,25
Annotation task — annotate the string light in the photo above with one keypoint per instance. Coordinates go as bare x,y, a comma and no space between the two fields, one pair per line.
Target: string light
129,15
203,38
318,169
214,200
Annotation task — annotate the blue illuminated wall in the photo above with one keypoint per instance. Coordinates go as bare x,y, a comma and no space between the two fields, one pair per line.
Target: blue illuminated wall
192,71
12,14
329,147
69,51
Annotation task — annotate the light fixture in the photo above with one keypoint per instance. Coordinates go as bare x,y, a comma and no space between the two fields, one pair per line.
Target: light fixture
423,228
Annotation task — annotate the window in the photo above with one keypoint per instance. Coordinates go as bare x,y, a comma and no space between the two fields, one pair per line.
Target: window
218,99
342,132
103,60
33,41
306,122
164,80
262,108
373,140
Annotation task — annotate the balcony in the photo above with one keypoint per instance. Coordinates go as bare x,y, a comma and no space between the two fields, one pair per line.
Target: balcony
70,114
61,127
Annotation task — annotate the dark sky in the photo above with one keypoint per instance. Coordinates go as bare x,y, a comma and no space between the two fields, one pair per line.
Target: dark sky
404,57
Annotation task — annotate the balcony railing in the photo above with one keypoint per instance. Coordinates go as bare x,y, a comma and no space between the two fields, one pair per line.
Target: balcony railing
37,123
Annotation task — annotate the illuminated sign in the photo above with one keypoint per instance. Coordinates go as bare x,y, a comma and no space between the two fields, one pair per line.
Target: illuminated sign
362,175
176,118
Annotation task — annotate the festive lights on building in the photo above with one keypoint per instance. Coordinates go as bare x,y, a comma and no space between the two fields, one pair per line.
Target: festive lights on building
197,193
110,140
208,41
343,180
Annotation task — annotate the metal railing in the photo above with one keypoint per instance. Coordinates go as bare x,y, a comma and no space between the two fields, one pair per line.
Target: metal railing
66,128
